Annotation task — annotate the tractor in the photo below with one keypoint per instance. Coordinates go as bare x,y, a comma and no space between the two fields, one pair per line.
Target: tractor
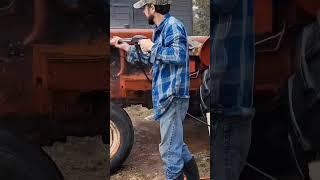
285,129
129,84
54,80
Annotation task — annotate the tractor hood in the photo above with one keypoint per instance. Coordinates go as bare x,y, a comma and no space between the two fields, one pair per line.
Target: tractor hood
198,45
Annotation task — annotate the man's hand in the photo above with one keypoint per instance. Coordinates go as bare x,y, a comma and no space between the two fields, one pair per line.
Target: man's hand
115,42
146,45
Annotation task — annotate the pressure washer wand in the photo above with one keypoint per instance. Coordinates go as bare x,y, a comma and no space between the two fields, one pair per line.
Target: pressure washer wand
134,40
127,40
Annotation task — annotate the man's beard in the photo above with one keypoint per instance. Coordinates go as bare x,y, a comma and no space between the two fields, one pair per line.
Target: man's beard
151,20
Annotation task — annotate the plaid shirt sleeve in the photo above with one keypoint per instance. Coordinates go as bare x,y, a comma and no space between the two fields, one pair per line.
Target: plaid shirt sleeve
132,56
174,49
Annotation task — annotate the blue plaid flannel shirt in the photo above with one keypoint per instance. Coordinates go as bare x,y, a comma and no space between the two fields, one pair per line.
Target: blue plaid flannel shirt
169,58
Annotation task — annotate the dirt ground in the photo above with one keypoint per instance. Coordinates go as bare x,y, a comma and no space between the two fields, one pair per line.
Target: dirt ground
86,158
144,162
81,158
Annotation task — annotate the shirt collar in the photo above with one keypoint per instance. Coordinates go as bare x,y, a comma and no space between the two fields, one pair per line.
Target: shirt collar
163,22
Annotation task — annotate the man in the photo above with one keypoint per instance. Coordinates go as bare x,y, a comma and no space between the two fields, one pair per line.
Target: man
168,54
232,62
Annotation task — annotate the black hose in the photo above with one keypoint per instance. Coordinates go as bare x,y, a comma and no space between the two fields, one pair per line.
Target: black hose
140,62
295,156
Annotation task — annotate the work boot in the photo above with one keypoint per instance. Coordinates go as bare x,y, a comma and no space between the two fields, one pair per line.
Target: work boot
190,169
181,177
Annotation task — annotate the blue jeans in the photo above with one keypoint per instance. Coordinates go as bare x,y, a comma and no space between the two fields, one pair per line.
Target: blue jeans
174,152
230,148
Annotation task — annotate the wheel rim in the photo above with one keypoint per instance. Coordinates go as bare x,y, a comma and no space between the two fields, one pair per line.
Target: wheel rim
114,139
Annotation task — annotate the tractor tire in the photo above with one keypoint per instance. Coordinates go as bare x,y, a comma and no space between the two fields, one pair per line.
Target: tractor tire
312,118
20,160
306,86
312,121
121,136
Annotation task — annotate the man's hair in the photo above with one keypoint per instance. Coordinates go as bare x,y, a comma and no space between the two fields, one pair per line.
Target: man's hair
162,9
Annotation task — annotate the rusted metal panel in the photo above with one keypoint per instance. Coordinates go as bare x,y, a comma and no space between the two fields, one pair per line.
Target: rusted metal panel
133,82
274,68
205,53
310,6
263,11
138,82
128,33
78,67
195,84
49,77
192,66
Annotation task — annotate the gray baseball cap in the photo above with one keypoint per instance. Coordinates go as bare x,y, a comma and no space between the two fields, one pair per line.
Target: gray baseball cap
142,3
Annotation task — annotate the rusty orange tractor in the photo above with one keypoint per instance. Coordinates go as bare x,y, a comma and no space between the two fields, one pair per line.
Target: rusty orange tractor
129,85
287,57
53,80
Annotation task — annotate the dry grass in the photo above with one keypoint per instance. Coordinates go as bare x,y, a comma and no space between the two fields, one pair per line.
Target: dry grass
82,158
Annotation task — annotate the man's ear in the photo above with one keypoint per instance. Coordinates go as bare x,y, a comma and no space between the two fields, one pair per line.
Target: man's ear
152,8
